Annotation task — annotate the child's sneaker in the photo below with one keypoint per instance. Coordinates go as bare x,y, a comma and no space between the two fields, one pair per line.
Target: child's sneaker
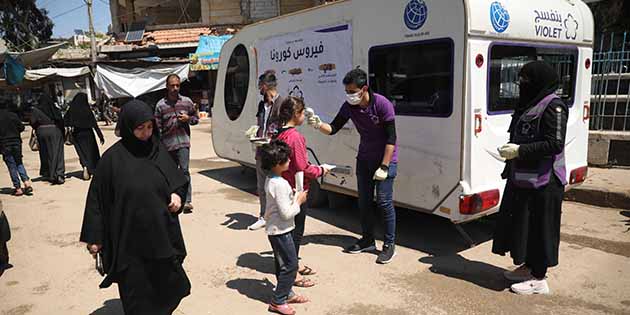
533,286
520,274
283,309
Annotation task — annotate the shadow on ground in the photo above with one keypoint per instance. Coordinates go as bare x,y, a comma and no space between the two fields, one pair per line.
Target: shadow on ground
258,262
626,214
477,272
259,290
6,191
239,221
423,232
110,307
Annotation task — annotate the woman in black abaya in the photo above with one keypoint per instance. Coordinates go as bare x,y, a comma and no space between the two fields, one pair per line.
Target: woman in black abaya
82,121
131,217
47,122
528,226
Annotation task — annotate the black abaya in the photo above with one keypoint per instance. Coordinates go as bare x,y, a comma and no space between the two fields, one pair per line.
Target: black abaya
50,138
127,213
82,120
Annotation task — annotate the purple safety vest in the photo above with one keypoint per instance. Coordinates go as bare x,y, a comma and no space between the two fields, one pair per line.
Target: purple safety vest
535,173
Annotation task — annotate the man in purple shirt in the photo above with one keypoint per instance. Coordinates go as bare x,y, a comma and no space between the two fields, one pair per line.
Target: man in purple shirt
373,115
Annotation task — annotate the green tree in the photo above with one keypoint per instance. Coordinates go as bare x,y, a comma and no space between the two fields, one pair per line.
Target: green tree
24,26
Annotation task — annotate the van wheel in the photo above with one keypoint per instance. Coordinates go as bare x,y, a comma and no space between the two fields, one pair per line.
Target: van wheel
340,201
317,197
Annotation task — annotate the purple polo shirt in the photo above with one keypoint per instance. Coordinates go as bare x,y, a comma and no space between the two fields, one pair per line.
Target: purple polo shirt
369,123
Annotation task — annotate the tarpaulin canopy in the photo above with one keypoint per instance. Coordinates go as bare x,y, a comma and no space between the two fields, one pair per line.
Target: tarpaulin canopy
37,74
121,82
208,50
34,57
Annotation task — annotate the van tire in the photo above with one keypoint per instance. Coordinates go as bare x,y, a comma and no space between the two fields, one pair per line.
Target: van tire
317,197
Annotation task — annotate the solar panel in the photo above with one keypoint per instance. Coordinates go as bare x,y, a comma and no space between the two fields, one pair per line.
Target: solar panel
135,32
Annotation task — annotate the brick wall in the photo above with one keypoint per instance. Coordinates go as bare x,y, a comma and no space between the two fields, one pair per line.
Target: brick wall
262,9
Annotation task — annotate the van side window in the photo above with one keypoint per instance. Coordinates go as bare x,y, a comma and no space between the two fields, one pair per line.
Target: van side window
236,82
506,61
416,77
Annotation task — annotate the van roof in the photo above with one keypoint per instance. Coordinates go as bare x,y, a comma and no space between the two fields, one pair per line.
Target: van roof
557,21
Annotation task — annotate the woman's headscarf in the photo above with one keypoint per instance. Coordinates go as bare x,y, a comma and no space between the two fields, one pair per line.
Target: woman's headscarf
80,114
136,113
540,80
47,106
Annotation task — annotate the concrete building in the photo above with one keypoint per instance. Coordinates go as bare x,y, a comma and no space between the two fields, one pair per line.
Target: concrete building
158,14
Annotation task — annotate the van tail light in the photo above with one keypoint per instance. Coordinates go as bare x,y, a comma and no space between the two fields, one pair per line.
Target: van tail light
578,175
479,202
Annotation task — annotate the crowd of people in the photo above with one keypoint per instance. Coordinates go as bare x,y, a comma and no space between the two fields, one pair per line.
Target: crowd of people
142,183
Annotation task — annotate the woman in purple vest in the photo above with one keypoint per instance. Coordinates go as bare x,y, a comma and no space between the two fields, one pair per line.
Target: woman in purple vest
529,218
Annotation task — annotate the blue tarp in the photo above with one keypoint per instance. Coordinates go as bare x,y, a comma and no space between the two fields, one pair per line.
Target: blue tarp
13,70
208,51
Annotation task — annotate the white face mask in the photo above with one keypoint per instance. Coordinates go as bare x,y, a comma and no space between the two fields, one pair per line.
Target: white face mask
354,99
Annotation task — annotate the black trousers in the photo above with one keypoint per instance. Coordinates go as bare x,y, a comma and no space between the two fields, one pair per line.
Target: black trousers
153,287
298,232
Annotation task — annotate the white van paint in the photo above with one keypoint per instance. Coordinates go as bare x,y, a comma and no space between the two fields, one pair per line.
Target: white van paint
441,157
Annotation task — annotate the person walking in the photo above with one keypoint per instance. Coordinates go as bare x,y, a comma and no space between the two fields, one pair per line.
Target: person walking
374,117
5,237
282,207
131,217
174,115
528,225
82,121
267,121
11,149
49,128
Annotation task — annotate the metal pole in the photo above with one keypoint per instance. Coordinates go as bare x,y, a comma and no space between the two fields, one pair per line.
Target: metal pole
92,34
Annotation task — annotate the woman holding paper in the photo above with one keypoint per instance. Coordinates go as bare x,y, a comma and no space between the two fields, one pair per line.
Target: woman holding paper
291,115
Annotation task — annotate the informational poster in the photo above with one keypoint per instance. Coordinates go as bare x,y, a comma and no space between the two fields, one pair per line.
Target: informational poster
310,64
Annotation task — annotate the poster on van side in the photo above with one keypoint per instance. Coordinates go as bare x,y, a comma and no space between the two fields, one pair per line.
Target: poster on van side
310,64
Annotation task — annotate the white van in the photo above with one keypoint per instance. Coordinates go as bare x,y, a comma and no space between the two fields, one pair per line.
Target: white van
449,67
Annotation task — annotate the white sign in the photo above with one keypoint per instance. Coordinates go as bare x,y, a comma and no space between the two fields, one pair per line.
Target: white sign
310,64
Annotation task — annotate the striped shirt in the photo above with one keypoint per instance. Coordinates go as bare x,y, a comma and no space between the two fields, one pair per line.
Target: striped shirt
175,134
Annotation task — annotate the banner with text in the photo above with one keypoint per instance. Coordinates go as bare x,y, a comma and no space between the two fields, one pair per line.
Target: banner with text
310,64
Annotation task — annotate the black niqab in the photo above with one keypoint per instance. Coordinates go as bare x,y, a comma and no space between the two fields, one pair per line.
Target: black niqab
79,113
127,205
540,80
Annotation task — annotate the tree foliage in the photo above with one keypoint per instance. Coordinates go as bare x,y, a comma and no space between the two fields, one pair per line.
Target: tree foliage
24,26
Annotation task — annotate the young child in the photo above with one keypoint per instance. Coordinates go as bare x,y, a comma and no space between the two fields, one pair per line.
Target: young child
291,115
282,206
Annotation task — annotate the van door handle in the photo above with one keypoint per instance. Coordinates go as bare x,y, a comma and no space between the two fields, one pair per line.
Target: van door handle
586,115
478,127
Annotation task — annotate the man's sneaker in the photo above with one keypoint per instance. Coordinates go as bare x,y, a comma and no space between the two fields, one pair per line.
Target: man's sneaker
360,246
258,224
188,208
387,254
520,274
533,286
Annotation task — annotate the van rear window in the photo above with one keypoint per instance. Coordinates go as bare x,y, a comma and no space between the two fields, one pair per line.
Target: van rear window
506,62
416,77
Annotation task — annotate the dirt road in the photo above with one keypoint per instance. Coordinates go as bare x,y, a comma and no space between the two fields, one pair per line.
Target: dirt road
231,268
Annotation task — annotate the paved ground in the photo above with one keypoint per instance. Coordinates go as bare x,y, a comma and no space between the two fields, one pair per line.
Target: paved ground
604,187
231,268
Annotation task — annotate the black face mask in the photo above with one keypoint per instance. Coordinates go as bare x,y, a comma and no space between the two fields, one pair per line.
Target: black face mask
538,80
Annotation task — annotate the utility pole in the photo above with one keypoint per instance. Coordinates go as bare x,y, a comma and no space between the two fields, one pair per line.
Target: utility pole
92,44
92,34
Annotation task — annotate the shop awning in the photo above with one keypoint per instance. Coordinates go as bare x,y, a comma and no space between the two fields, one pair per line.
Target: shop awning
208,51
120,82
37,74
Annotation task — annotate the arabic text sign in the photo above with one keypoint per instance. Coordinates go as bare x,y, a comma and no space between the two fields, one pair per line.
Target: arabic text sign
310,64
